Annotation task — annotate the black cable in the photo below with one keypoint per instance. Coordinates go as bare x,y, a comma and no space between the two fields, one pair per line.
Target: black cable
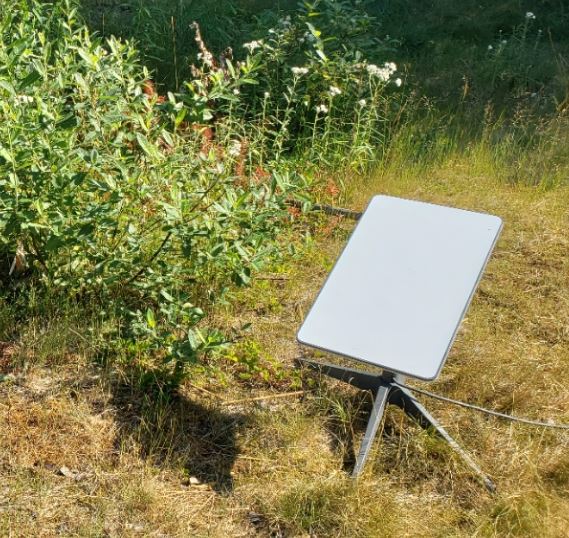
484,410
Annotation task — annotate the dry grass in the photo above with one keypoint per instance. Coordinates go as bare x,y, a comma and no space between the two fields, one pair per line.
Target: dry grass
86,453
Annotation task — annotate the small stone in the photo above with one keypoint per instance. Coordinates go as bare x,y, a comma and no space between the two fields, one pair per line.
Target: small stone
68,473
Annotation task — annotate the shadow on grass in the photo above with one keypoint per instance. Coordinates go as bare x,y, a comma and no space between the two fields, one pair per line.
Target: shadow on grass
403,444
172,430
346,418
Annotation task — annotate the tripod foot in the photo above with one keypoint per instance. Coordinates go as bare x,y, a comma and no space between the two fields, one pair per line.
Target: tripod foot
404,399
380,401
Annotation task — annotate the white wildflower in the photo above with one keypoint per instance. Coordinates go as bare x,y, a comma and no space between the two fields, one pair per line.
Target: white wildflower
530,16
381,73
322,109
253,45
334,90
267,95
362,102
236,91
504,41
298,71
372,69
398,82
24,99
390,66
235,148
490,47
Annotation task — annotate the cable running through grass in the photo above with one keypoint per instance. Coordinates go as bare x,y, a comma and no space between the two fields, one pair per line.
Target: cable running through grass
513,418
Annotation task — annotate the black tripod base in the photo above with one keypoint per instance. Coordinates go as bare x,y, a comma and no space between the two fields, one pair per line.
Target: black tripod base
387,390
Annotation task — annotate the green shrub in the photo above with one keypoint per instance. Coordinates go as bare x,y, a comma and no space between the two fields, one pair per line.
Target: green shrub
146,206
99,198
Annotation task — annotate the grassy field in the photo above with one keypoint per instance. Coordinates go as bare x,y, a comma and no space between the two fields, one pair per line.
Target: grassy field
87,453
248,445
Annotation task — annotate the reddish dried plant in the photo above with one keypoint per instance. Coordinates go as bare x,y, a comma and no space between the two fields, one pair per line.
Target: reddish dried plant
149,89
294,211
332,189
242,159
331,226
260,175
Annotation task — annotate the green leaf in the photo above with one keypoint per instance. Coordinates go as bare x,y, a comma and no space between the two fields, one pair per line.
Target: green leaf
5,85
167,296
90,59
68,122
316,33
150,319
180,117
34,76
6,155
54,243
230,67
173,213
148,148
243,277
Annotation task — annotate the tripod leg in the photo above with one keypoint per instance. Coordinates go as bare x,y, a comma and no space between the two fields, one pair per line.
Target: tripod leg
379,403
356,378
404,399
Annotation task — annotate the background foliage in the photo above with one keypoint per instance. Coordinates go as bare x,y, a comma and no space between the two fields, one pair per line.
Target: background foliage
143,187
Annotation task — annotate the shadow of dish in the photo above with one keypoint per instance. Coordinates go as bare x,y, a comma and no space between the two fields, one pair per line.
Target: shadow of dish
345,430
172,430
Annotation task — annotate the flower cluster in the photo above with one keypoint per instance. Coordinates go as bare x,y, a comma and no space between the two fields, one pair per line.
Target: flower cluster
322,109
334,90
235,148
530,16
24,99
253,45
382,73
298,71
